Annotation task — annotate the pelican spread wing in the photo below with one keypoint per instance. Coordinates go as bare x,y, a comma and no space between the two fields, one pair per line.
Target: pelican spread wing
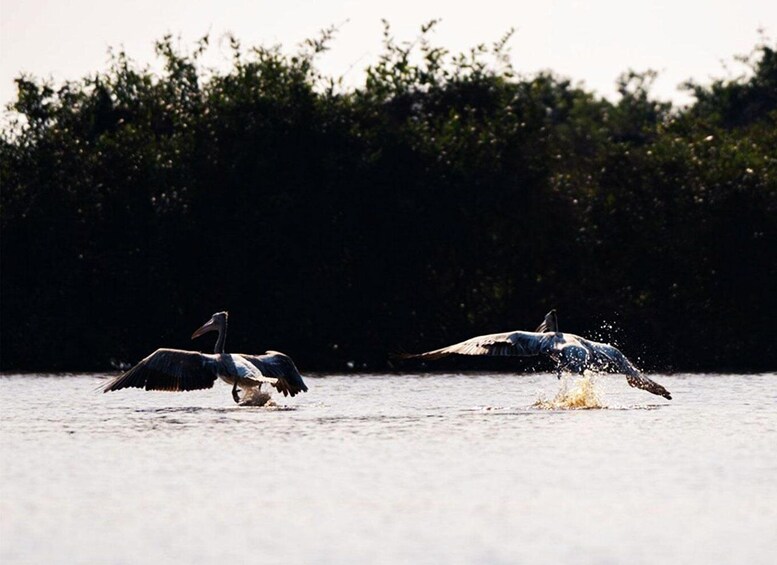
608,357
169,369
509,344
179,370
549,323
281,368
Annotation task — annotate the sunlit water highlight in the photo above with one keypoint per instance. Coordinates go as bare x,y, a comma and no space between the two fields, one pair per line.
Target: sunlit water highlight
392,468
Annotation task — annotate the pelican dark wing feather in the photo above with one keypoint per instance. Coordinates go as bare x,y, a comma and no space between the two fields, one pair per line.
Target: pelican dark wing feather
169,369
281,367
608,357
509,344
549,323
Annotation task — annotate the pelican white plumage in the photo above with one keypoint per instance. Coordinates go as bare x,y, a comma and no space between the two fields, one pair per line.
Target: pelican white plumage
570,352
180,370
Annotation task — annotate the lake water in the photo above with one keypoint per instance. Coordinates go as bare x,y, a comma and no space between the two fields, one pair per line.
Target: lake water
443,468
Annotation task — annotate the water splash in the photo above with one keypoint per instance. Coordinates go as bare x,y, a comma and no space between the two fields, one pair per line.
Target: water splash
608,332
581,394
256,397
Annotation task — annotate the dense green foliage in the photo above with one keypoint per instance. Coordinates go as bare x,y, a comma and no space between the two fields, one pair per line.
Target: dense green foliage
448,196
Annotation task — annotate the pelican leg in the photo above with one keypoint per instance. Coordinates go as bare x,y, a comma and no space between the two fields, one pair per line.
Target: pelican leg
558,370
235,395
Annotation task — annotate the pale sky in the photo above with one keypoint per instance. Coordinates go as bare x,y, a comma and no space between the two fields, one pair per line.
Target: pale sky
587,41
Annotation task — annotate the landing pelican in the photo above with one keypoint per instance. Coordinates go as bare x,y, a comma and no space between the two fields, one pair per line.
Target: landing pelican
569,351
179,370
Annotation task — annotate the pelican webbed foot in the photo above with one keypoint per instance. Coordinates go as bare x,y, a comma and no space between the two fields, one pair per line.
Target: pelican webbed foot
235,395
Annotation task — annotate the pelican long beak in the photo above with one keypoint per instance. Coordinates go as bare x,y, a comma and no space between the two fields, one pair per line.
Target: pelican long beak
208,326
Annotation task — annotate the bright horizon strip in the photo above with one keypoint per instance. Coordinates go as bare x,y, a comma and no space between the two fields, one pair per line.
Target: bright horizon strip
591,43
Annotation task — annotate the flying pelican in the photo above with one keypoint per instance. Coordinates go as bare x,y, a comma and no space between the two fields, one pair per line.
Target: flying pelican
178,370
569,351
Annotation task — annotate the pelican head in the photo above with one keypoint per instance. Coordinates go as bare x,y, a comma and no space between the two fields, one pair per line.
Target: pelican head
217,323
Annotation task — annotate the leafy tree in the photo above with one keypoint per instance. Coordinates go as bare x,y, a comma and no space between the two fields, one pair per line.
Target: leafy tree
448,195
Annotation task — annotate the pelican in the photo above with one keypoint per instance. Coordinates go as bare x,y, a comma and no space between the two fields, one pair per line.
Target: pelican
569,351
178,370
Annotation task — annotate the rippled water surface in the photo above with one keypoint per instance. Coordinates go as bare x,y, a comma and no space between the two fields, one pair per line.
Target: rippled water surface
439,468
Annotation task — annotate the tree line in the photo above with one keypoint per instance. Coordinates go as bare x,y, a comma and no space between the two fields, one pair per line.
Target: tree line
446,196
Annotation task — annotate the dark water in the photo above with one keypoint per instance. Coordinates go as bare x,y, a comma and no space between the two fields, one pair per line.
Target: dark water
392,468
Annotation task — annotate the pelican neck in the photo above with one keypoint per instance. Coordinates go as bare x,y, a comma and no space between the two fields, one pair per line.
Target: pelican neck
221,341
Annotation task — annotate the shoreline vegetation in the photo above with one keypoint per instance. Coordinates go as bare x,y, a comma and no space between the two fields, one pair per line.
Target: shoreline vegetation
449,195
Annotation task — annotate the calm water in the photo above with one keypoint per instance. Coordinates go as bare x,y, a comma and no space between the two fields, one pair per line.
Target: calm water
399,468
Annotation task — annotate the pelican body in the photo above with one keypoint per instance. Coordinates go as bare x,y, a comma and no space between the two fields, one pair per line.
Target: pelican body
180,370
570,352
